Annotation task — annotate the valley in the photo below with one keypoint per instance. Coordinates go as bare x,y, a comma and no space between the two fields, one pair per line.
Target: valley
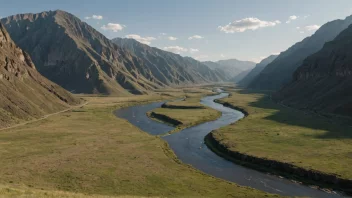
170,100
90,151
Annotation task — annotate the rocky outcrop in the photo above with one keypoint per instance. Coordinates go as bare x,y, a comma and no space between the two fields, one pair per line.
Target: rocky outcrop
79,58
324,81
24,93
280,71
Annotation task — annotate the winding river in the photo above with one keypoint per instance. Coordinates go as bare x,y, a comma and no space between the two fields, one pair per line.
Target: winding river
189,147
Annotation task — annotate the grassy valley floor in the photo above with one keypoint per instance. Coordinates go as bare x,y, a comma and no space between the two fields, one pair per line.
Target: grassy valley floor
88,151
275,132
186,113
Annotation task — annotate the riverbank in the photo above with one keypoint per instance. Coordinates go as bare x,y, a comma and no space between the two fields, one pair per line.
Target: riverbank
89,151
286,142
185,113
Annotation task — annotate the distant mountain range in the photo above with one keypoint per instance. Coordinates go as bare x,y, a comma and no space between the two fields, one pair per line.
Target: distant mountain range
24,93
280,71
82,60
166,67
234,69
241,65
251,75
324,81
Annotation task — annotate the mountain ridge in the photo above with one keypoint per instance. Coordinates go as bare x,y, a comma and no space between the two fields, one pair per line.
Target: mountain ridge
234,70
256,70
280,71
186,68
82,60
324,80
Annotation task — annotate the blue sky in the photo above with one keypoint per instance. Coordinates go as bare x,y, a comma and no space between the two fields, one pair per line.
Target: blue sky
221,29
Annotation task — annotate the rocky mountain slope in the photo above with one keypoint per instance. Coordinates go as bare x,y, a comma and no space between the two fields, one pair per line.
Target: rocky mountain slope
233,69
167,67
82,60
324,81
245,81
279,72
24,93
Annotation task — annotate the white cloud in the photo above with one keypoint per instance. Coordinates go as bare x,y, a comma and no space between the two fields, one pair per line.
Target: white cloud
308,28
191,50
261,58
312,27
163,34
115,27
247,24
195,37
176,49
171,38
201,57
97,17
222,56
292,18
144,40
276,53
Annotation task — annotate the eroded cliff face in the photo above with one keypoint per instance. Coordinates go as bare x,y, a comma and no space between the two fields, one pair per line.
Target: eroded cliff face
324,81
82,60
24,93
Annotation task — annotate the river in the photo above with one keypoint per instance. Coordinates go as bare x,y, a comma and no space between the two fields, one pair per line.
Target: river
189,147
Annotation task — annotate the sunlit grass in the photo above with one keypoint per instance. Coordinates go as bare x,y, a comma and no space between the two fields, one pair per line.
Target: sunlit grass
287,135
89,151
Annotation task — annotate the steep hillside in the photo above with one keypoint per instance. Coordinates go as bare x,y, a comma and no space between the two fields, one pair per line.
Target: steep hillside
167,67
24,93
232,67
256,71
240,76
324,81
82,60
279,72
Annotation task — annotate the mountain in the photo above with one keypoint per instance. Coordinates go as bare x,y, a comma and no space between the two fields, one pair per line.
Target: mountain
24,93
241,65
280,71
167,67
240,76
219,68
256,71
82,60
324,81
232,67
